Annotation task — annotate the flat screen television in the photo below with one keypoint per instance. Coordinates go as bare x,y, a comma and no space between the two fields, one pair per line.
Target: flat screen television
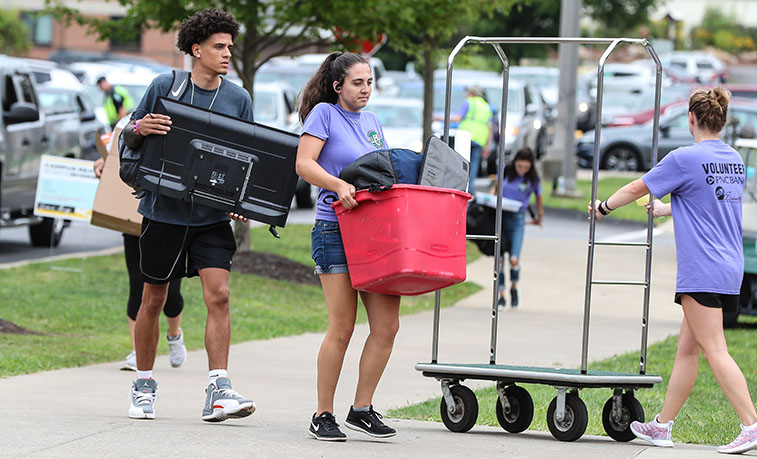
222,162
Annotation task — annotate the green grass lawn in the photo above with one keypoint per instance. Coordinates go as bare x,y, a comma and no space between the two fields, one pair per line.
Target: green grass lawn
706,418
83,316
605,187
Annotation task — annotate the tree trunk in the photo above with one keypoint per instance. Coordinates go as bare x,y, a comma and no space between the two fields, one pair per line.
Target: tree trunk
428,89
242,236
244,63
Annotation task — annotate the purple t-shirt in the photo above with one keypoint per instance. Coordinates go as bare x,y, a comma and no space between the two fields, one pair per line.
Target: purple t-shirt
348,136
705,182
520,190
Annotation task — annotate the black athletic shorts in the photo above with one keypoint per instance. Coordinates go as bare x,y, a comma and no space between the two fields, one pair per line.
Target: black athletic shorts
166,255
728,303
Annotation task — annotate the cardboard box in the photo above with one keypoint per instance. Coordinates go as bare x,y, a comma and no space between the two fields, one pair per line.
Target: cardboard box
115,206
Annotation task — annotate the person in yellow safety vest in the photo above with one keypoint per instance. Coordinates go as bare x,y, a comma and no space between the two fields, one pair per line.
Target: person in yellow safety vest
117,102
474,117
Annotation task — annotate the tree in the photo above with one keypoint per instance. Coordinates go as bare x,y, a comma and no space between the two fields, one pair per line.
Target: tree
723,31
269,28
619,17
14,36
542,19
422,29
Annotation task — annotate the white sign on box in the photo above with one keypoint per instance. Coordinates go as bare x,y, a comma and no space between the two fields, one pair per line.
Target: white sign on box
66,188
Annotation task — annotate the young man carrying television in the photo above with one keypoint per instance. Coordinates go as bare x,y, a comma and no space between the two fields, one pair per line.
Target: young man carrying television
183,239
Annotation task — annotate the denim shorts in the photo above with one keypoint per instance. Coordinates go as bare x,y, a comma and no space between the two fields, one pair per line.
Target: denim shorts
513,226
328,250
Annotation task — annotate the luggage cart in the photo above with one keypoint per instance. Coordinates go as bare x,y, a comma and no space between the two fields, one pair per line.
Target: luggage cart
567,415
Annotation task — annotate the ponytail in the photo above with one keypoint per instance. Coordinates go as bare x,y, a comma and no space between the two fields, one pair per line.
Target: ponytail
320,88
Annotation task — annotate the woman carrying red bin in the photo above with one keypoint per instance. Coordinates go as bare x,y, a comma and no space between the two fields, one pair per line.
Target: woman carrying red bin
335,133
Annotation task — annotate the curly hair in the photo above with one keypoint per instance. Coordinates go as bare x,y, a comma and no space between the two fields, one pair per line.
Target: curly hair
710,106
200,26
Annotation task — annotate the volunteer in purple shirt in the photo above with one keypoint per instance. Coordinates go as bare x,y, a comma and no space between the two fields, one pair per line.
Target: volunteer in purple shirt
335,133
705,182
520,182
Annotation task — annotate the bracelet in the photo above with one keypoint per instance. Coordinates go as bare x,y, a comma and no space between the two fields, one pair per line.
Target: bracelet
607,206
136,127
601,210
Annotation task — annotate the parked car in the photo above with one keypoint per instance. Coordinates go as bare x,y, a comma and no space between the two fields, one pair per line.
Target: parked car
273,104
743,91
630,148
638,107
60,94
72,116
285,71
297,70
545,79
27,133
526,110
401,121
313,61
393,80
702,67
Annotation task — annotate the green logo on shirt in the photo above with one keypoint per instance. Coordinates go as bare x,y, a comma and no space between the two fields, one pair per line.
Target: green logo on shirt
375,139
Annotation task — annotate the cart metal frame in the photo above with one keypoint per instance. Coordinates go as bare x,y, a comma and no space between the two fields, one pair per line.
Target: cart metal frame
567,414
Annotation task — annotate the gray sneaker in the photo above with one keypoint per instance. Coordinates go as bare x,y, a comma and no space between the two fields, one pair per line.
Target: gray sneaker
177,350
130,362
222,402
143,395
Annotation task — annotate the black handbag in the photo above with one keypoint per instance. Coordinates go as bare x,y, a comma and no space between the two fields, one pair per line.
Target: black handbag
481,220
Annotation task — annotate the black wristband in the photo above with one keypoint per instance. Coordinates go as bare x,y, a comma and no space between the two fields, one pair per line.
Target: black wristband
607,206
601,210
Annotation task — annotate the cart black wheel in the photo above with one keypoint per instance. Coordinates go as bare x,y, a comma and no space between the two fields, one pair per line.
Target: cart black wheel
466,414
620,429
574,422
521,412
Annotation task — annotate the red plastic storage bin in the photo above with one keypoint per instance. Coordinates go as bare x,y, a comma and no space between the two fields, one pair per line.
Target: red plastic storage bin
407,240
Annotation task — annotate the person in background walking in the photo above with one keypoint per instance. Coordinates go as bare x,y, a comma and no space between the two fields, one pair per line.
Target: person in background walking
520,182
172,309
335,133
117,103
706,183
474,117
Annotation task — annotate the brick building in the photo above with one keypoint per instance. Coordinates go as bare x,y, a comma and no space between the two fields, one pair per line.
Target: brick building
49,36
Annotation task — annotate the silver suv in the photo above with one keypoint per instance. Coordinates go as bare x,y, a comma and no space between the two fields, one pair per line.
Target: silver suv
25,135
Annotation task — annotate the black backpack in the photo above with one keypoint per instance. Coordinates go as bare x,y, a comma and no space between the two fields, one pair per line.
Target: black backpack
129,142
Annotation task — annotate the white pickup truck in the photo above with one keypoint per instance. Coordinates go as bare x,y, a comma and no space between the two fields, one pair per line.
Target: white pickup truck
25,135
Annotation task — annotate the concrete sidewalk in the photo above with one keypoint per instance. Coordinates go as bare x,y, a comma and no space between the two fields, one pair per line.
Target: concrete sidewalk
82,412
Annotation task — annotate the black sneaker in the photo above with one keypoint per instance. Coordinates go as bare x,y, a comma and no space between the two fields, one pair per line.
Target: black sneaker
324,427
514,301
369,422
501,303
